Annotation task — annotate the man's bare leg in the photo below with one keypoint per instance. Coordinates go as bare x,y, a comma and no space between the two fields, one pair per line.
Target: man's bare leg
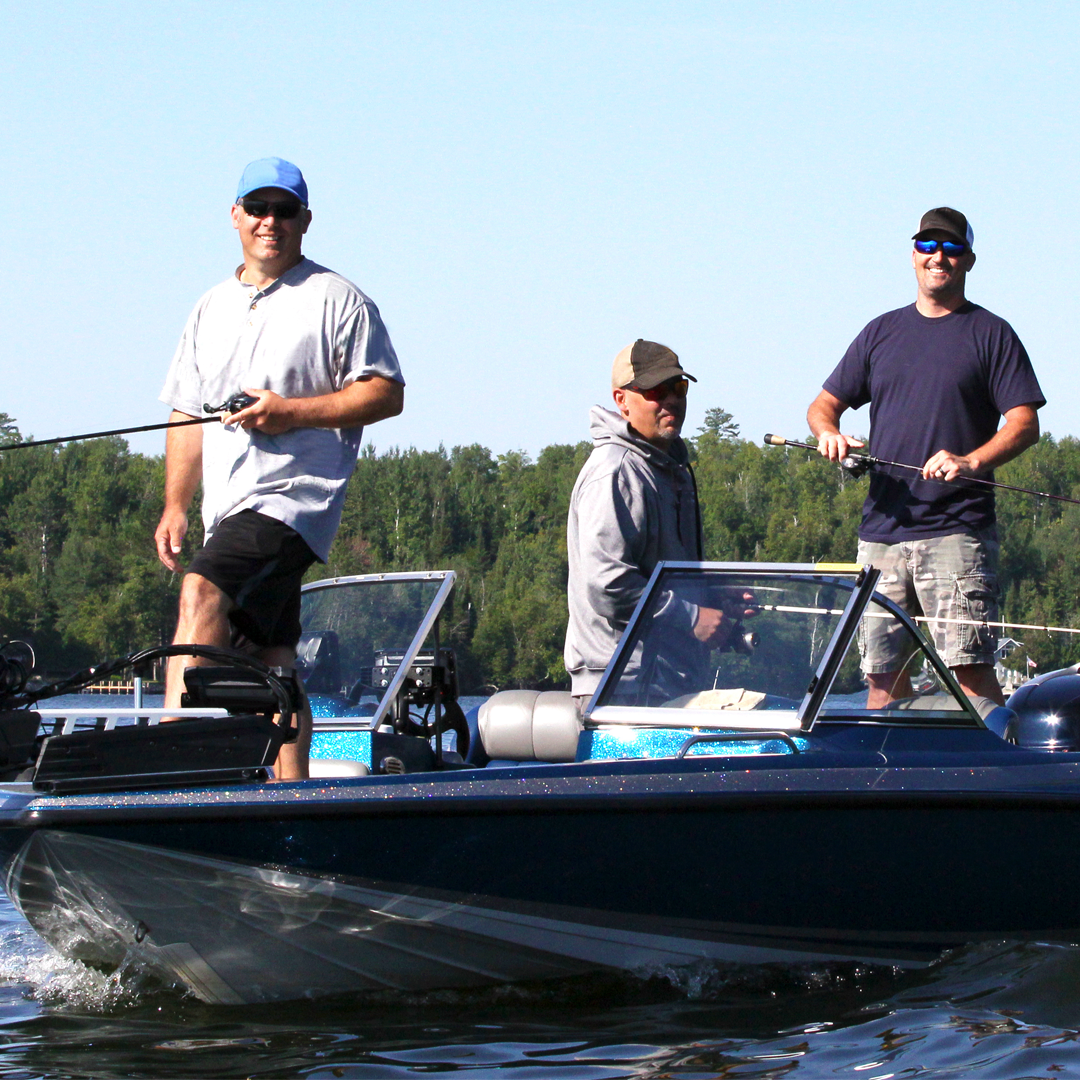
292,761
887,687
203,620
979,680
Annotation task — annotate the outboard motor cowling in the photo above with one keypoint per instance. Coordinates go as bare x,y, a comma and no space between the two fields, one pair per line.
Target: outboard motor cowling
1047,712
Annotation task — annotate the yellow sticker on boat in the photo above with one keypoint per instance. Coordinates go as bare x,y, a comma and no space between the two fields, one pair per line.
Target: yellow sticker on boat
850,567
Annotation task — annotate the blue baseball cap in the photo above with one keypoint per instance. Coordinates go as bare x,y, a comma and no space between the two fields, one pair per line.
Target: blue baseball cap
273,172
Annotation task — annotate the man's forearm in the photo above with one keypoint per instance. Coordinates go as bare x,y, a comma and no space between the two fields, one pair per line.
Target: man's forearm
183,463
1014,437
1021,430
823,417
365,401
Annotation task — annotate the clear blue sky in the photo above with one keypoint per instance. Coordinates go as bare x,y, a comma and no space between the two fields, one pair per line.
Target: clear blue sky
524,188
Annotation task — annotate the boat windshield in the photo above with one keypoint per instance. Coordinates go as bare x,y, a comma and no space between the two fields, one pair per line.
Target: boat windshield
768,649
358,632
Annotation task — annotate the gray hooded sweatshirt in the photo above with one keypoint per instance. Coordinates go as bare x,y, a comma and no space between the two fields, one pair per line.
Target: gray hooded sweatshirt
633,505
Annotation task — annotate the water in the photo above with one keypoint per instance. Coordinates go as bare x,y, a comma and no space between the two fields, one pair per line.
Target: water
999,1010
995,1010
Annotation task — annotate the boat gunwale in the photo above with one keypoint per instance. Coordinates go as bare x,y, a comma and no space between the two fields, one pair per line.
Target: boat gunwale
868,794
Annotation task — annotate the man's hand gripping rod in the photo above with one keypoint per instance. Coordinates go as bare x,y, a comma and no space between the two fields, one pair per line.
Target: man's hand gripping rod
858,464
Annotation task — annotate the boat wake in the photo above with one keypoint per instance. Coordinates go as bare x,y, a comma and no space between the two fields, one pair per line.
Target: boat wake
711,980
1001,1008
38,973
1029,980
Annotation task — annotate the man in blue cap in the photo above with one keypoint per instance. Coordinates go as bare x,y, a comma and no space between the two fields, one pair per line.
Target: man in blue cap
312,350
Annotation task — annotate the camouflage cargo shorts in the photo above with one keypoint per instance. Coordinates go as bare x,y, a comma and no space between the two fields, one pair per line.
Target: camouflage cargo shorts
951,578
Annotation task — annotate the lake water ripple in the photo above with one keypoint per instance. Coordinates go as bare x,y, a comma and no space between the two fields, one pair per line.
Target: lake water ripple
994,1010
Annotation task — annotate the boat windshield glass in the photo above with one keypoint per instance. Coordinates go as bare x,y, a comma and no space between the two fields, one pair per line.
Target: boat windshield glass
912,687
745,642
355,633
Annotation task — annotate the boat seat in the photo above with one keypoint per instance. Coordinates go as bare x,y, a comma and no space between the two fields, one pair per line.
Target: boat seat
929,702
530,725
318,660
328,768
996,717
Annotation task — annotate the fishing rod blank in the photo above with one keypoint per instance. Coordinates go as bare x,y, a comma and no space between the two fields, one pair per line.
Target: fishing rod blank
857,464
792,609
232,405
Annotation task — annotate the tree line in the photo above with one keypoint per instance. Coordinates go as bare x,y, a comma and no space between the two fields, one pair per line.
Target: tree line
79,577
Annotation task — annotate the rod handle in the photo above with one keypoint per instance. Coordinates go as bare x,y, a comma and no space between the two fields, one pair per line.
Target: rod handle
775,440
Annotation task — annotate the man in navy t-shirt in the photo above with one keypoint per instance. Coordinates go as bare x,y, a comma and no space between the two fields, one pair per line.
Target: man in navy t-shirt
939,375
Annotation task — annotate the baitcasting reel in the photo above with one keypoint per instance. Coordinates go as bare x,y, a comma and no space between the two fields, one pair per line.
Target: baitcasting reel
238,401
856,465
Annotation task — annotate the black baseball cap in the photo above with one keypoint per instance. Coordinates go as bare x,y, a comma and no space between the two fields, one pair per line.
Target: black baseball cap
646,364
946,219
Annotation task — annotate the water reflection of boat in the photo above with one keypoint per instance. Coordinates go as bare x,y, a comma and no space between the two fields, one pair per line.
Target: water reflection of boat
736,804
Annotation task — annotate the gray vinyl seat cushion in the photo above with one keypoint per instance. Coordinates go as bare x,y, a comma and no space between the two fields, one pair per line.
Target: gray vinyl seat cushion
530,725
328,768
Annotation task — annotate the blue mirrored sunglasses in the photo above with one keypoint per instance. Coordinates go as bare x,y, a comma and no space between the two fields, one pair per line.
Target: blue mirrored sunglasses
929,247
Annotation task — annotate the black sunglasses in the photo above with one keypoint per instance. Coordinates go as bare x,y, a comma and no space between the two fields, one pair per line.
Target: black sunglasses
676,387
283,211
929,247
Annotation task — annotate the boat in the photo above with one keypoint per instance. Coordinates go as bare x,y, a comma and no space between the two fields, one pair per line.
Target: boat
735,802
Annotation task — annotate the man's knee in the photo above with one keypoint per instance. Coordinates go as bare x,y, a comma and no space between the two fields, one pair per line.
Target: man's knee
978,678
204,612
200,594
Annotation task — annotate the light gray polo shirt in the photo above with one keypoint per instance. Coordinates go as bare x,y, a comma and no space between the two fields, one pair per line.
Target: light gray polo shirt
310,332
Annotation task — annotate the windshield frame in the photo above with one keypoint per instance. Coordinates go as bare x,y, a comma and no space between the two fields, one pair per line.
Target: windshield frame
859,579
428,622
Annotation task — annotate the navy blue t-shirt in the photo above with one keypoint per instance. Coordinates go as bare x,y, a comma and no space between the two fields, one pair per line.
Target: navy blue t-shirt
933,384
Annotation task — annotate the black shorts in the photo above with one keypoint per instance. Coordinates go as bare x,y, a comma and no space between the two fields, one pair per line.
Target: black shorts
259,563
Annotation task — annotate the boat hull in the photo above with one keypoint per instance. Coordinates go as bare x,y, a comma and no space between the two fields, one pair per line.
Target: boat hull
257,894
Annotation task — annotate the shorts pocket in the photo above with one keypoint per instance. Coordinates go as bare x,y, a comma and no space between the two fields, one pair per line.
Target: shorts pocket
976,602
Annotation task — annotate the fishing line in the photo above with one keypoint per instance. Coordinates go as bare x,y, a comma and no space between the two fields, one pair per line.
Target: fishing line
858,463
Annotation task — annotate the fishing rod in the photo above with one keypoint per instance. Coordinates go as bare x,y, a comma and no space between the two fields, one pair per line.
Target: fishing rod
230,406
857,464
793,609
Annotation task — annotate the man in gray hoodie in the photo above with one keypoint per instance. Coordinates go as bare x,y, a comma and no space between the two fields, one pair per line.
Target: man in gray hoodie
634,504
